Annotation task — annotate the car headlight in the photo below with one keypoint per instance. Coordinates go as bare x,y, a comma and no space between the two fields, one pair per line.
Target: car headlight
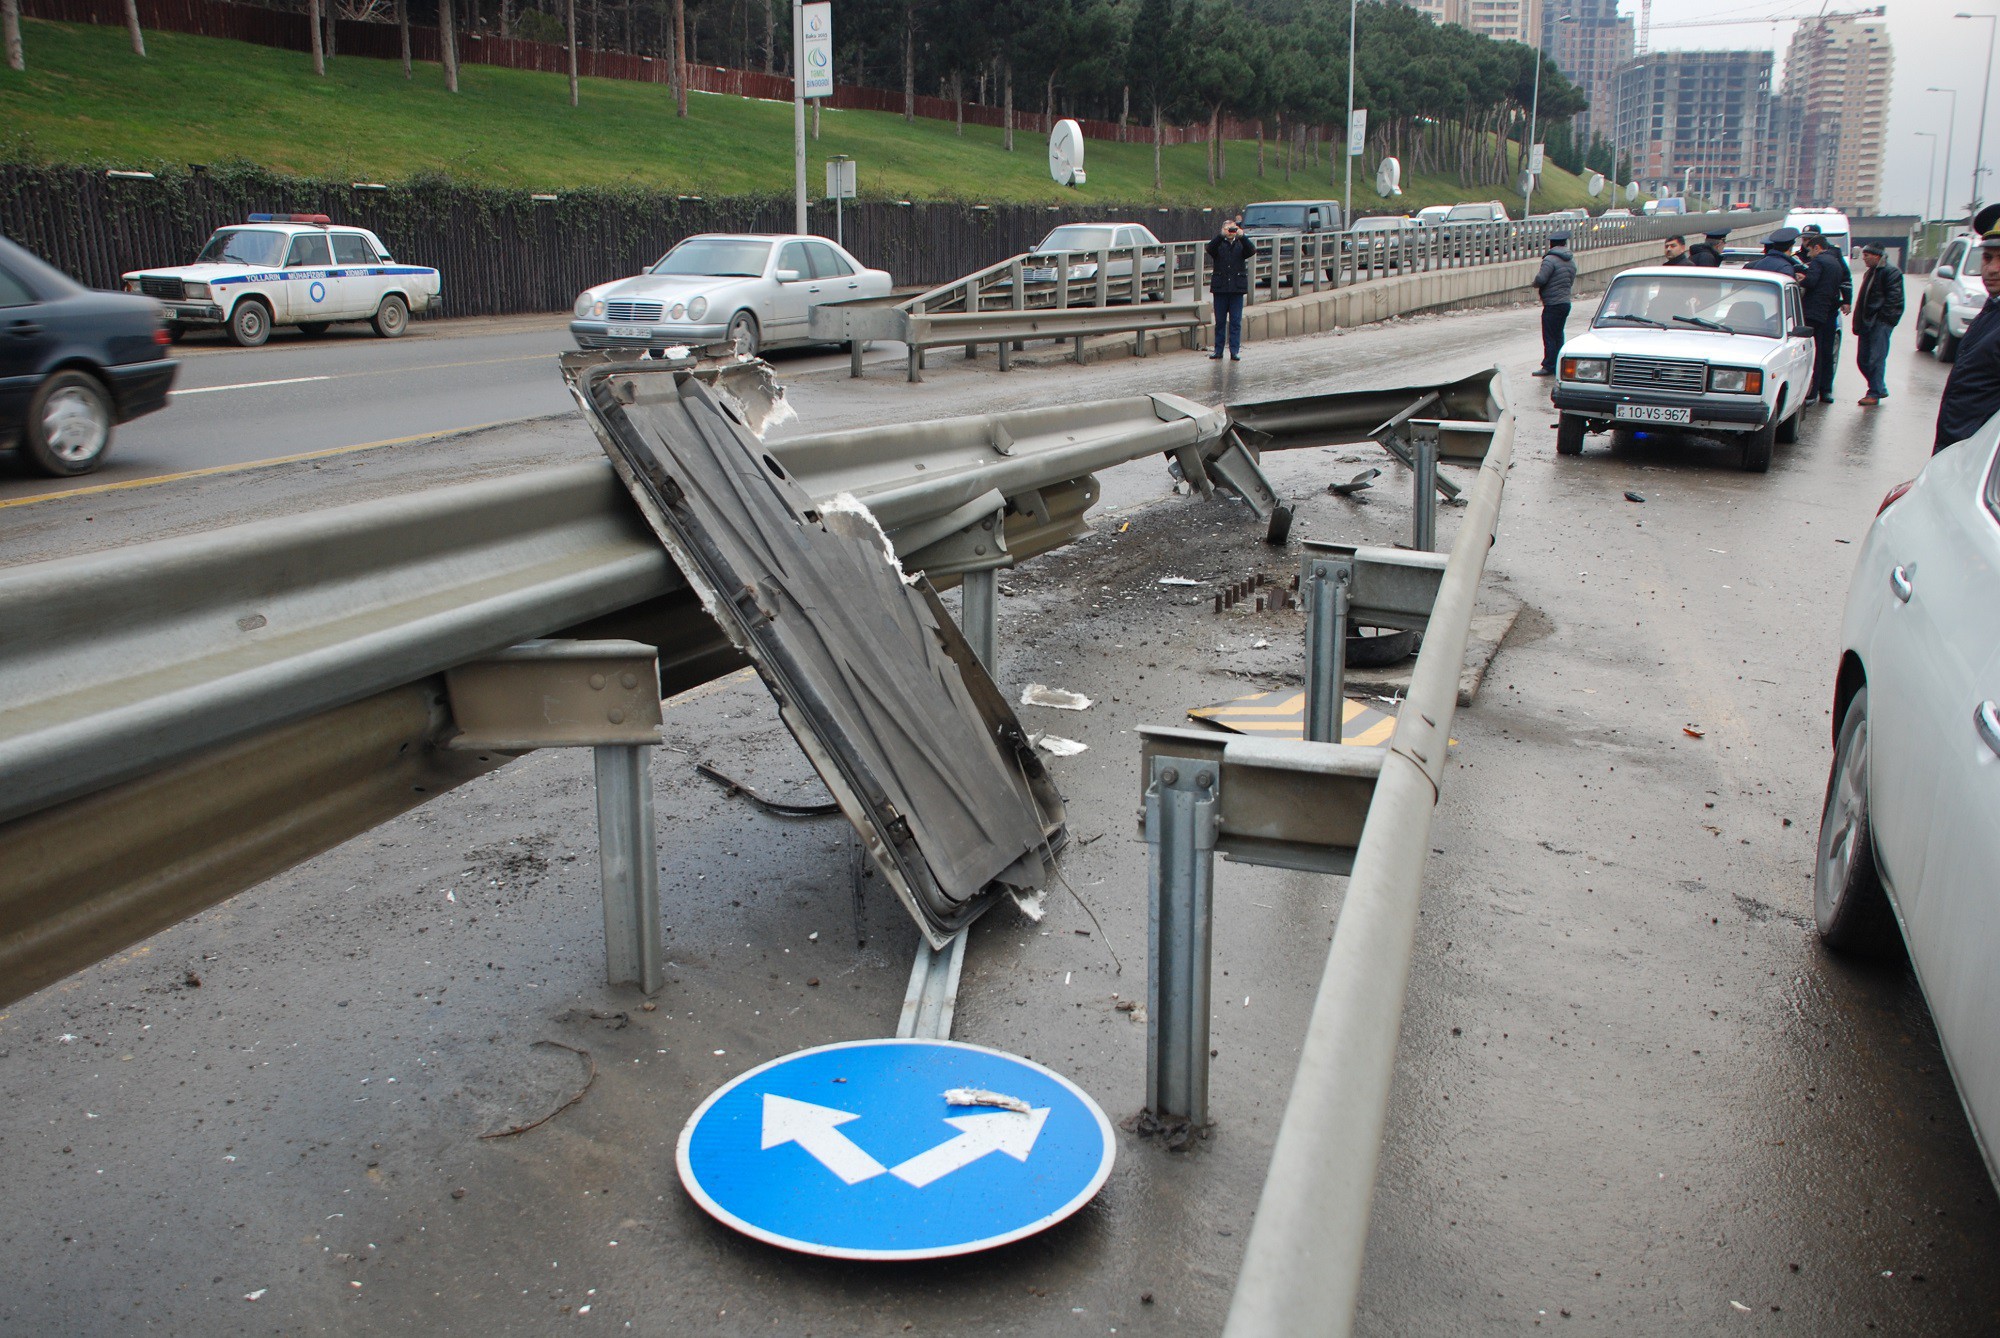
133,286
198,291
1586,369
583,304
1736,380
697,308
676,311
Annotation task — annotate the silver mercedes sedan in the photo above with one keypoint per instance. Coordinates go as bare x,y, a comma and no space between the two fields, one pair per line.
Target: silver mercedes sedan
753,290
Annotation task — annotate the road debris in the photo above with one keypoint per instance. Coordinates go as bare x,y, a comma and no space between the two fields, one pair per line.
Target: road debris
1694,733
1057,746
1633,497
1359,483
976,1096
257,1295
775,807
580,1092
1040,694
1178,580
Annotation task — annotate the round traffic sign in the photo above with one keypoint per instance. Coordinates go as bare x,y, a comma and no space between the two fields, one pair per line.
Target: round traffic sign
895,1149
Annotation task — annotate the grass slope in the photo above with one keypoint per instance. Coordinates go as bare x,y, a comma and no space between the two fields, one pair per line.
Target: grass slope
85,98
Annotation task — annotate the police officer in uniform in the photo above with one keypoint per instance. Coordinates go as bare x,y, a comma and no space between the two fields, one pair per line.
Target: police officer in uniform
1972,394
1777,257
1707,253
1828,295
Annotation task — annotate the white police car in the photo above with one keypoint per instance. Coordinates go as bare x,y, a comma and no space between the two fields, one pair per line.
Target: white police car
290,269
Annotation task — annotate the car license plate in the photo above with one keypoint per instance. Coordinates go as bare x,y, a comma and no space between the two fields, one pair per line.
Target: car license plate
1652,413
631,332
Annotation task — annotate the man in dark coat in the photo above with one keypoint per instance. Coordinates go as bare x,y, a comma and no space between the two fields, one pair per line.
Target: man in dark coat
1556,281
1777,257
1707,253
1878,306
1231,256
1828,295
1676,252
1972,394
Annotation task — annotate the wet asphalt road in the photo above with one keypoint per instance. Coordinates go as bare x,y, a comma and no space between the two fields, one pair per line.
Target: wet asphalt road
1633,1093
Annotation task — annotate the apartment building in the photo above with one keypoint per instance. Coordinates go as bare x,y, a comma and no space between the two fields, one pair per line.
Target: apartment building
1445,11
1589,48
1507,20
1697,118
1834,119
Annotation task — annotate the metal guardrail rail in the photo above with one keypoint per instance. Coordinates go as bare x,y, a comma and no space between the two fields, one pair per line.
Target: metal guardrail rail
1301,1270
1072,295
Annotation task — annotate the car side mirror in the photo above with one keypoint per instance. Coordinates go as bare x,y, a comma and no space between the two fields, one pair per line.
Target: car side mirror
789,276
1947,271
1802,332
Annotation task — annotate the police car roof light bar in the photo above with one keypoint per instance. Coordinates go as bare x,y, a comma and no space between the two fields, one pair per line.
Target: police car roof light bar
320,219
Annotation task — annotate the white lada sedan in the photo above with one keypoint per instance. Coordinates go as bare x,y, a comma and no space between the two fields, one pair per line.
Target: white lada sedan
1909,839
1714,352
753,290
290,269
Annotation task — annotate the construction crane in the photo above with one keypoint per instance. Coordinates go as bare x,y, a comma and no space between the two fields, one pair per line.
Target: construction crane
1646,10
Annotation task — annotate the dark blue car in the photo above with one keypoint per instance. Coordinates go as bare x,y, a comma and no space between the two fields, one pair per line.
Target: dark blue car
73,363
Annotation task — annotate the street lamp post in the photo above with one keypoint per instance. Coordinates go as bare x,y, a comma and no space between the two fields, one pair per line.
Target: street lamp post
1950,128
1534,113
1985,94
1347,149
1929,176
798,116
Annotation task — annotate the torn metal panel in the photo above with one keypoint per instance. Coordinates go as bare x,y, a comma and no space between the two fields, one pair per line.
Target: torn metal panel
902,723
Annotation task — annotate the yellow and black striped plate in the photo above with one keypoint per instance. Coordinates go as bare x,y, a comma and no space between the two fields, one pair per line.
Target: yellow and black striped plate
1282,715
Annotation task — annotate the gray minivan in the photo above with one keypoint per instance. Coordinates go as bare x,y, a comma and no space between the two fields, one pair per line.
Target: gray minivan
1293,216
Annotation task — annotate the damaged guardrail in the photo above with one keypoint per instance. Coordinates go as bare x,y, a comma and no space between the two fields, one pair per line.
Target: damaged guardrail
1301,1270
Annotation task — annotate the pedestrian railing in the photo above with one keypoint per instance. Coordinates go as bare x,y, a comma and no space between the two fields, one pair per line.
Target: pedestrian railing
1140,290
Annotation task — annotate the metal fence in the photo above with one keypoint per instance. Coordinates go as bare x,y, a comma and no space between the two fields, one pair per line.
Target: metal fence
503,251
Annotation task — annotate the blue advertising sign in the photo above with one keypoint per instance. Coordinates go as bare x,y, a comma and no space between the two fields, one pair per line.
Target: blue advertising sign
895,1149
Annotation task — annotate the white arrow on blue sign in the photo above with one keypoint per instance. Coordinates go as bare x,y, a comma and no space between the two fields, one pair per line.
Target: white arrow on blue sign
854,1151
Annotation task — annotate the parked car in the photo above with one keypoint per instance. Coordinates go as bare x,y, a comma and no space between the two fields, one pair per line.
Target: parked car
1704,351
1376,243
1481,211
1952,296
74,363
1091,237
290,269
1829,221
1909,835
1293,216
1616,213
1432,214
753,290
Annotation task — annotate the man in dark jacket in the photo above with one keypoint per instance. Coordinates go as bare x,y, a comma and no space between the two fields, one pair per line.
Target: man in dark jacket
1777,257
1828,295
1556,281
1972,394
1676,252
1877,308
1230,258
1707,253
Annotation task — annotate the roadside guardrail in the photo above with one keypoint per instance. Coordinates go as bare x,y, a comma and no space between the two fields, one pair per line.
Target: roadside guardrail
1139,290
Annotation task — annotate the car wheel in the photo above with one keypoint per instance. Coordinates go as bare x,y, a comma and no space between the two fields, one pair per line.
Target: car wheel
392,317
1926,337
69,424
1849,901
1570,431
250,323
743,334
1947,345
176,332
1788,426
313,329
1757,448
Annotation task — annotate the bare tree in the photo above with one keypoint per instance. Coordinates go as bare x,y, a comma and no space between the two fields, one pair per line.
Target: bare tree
447,46
10,27
132,26
680,58
909,61
332,20
319,50
571,7
403,29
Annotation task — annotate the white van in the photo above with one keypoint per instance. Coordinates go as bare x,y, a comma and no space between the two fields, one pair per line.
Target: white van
1829,221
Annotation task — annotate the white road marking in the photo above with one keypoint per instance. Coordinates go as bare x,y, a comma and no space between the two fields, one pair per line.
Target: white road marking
251,385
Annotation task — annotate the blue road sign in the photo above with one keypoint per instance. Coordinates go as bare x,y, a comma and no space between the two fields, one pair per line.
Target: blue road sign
895,1149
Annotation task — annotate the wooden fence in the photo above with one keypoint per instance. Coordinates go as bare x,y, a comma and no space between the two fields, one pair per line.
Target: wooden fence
502,251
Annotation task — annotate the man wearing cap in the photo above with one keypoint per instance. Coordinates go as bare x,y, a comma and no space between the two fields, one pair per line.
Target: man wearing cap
1877,307
1777,257
1556,281
1707,253
1829,293
1972,393
1676,252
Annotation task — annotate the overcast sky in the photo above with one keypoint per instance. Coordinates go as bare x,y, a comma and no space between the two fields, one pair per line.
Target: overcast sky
1932,48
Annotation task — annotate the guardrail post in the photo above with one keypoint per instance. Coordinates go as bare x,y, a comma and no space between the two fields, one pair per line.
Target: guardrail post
1327,583
854,358
628,868
1180,865
1062,281
1423,509
1103,279
979,616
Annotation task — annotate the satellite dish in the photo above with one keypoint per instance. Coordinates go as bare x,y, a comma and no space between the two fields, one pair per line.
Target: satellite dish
1066,153
1595,185
1631,191
1389,178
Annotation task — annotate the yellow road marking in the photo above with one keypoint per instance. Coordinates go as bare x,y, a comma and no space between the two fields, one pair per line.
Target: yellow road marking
99,488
